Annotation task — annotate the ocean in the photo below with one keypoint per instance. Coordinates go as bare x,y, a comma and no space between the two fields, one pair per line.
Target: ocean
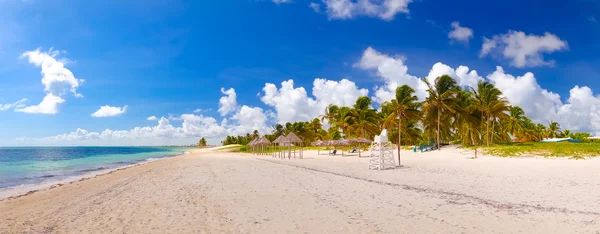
23,166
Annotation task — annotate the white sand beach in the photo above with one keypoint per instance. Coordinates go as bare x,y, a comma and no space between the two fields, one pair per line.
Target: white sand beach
217,192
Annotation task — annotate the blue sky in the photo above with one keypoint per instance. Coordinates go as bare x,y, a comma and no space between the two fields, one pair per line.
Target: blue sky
169,58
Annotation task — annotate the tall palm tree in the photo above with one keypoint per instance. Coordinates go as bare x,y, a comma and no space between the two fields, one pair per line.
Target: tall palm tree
364,118
515,123
331,114
553,130
343,120
493,106
441,100
541,131
404,106
467,119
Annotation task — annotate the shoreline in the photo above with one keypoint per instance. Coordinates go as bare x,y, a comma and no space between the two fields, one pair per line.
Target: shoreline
27,189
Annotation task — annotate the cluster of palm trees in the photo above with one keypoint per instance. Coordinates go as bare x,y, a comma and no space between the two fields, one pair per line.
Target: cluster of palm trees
475,116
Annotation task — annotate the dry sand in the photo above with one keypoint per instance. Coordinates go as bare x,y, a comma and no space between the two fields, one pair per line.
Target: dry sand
217,192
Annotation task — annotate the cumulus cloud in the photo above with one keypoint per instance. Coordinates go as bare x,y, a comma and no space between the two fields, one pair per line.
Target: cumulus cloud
250,119
523,50
192,127
462,75
227,103
49,105
109,111
394,73
17,105
581,112
383,9
152,118
293,103
460,34
56,78
524,91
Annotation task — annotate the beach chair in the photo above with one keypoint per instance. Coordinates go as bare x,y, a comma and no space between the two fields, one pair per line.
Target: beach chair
334,152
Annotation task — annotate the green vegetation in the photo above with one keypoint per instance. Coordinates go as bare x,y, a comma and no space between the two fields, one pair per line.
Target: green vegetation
202,142
561,149
476,116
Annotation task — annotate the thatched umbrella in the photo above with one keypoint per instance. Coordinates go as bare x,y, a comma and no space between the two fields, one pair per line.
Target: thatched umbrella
360,141
263,142
342,142
251,145
292,138
280,141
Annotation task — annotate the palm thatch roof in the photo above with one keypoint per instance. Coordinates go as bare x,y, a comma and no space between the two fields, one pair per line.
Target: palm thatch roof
263,141
316,143
360,140
280,140
342,142
252,142
291,137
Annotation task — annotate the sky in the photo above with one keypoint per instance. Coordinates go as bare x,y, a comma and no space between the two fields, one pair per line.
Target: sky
158,72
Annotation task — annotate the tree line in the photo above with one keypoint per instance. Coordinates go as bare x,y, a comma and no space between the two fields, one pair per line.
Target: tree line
473,116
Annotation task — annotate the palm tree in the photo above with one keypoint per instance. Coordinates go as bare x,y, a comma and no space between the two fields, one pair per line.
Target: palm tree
553,130
343,120
364,118
331,113
442,99
467,119
515,123
404,106
566,133
541,131
489,100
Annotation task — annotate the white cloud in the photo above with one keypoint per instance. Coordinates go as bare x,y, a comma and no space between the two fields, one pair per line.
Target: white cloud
250,119
152,118
56,78
16,105
523,50
383,9
460,34
293,104
200,110
281,1
227,103
315,6
581,112
164,133
539,104
462,75
49,105
394,73
109,111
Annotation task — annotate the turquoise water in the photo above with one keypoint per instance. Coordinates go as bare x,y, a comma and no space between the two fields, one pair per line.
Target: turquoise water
33,165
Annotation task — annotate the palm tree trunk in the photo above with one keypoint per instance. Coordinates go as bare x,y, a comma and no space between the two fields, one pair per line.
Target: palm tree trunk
492,137
438,128
487,129
399,136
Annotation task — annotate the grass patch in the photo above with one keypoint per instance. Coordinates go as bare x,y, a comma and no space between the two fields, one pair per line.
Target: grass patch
560,149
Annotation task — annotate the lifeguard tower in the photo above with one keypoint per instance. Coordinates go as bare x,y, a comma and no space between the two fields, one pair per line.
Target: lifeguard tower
382,153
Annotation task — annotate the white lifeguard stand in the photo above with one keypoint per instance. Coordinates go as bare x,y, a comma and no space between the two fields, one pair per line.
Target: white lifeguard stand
382,153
